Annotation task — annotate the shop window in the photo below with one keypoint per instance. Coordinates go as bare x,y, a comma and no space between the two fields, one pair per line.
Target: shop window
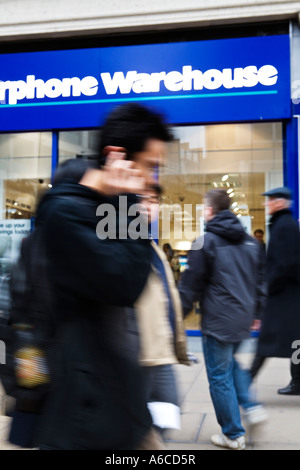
25,174
244,159
78,144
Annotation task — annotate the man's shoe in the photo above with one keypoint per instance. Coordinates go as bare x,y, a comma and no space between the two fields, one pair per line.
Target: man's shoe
256,415
221,440
291,389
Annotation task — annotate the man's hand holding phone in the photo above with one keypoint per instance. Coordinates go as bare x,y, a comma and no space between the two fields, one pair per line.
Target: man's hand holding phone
118,176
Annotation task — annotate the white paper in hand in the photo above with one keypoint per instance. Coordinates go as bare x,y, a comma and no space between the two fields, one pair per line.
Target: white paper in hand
165,415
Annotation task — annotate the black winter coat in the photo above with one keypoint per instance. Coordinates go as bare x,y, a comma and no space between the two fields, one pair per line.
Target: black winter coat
225,274
281,320
97,397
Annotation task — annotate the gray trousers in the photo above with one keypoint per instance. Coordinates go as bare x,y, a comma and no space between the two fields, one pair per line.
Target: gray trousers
161,384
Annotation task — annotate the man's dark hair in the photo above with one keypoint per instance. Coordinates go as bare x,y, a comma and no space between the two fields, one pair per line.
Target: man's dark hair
130,126
259,230
218,199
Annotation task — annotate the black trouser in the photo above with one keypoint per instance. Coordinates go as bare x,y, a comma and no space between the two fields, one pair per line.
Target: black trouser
161,386
295,373
259,361
257,364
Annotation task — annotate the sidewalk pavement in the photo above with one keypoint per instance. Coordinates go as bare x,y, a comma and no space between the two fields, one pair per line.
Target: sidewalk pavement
198,422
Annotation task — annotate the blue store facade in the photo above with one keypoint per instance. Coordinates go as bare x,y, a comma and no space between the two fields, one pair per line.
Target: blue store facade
229,101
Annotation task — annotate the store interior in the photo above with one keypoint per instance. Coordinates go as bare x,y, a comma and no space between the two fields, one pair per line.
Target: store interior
244,159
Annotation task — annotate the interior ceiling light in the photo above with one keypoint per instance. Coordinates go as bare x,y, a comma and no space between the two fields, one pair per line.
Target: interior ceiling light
229,190
225,177
231,195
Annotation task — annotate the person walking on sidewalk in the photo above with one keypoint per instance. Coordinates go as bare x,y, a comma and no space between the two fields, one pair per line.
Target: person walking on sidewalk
224,274
281,318
97,397
162,338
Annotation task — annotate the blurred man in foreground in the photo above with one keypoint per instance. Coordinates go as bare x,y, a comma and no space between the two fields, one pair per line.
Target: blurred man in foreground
97,397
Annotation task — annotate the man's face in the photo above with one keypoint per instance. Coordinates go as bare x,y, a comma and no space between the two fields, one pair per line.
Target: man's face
149,160
274,205
208,212
259,236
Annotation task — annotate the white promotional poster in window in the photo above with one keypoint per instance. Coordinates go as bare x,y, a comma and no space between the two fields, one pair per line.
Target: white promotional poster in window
12,231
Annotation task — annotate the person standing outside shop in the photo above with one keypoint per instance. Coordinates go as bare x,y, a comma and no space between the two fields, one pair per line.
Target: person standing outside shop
223,274
168,250
173,261
259,235
97,398
175,265
281,318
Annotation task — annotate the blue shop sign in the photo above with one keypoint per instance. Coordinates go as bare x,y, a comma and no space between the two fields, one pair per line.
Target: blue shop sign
190,82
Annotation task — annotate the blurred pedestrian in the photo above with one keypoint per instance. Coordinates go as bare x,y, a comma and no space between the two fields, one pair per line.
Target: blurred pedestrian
168,250
259,235
173,261
223,274
97,396
30,322
175,265
281,318
161,331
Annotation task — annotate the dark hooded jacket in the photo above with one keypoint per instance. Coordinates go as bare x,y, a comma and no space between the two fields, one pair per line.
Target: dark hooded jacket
226,275
96,398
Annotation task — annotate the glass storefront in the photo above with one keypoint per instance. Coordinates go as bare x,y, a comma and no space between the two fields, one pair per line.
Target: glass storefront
252,135
25,172
244,159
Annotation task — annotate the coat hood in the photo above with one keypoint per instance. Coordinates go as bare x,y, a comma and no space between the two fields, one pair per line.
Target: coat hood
226,225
